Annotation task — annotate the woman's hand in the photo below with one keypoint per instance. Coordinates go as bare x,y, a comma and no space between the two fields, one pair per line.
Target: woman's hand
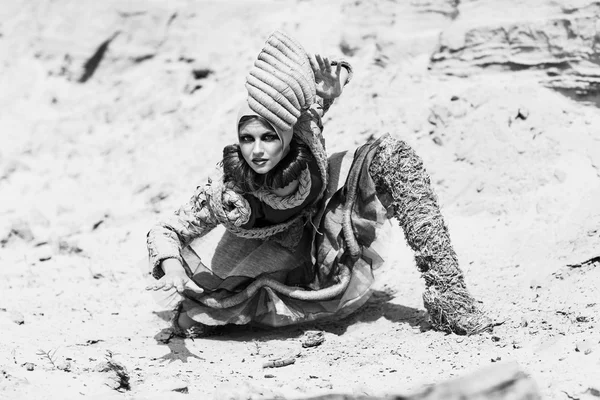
175,277
330,82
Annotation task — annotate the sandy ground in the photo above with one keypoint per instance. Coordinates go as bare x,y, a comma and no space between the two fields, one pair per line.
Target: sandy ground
86,168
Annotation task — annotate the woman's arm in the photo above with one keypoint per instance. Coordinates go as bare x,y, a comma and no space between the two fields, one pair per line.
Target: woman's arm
166,239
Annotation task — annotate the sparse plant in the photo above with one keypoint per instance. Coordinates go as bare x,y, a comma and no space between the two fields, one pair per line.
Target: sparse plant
121,380
256,344
49,355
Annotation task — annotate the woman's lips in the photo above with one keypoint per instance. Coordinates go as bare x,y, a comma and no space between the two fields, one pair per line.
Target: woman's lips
259,161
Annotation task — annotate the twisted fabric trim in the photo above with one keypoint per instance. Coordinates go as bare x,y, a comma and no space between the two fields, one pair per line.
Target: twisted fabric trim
309,130
224,203
227,205
290,201
268,231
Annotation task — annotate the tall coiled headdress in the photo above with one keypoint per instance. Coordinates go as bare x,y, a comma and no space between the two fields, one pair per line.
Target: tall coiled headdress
282,83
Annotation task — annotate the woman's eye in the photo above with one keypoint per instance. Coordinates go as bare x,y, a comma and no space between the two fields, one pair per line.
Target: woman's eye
246,139
270,137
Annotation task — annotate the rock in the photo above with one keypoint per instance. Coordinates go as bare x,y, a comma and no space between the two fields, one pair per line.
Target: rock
593,391
560,175
29,366
516,345
313,339
584,346
178,386
22,229
5,232
439,115
17,317
64,366
523,114
44,252
546,35
535,284
68,247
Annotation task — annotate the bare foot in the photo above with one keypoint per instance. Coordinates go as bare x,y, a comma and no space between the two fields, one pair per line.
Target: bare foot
189,328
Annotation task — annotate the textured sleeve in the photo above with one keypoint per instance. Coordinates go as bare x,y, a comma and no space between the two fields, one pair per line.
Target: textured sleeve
167,238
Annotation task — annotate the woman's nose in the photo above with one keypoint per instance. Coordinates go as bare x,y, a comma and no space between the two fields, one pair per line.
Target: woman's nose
258,148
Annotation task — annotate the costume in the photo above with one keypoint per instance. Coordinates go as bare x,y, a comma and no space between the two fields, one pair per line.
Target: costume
308,255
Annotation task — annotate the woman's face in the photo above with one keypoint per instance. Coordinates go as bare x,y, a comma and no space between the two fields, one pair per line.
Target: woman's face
261,147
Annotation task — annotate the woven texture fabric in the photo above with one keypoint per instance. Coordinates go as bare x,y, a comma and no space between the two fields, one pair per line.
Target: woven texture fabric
290,201
399,172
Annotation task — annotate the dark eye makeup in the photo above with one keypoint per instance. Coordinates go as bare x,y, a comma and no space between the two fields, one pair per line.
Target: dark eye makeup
265,137
269,137
246,138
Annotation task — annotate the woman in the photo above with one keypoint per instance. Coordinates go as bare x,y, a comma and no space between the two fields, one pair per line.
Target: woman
300,226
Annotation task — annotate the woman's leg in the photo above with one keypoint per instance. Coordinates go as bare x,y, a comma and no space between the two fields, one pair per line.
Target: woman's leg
185,322
184,326
399,176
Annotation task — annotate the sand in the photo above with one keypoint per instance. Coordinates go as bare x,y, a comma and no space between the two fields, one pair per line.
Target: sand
90,161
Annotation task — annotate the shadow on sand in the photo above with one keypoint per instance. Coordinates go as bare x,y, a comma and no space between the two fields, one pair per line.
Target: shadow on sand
378,306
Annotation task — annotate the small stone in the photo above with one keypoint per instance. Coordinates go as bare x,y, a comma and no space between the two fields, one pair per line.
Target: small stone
64,366
523,113
29,366
22,229
269,376
44,252
524,322
584,347
313,339
17,317
437,140
176,386
495,339
593,391
560,175
535,284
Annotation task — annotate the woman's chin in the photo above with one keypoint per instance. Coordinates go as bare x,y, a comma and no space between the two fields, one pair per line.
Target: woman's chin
260,169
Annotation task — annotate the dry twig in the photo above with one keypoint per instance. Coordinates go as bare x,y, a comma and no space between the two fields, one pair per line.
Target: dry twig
49,355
